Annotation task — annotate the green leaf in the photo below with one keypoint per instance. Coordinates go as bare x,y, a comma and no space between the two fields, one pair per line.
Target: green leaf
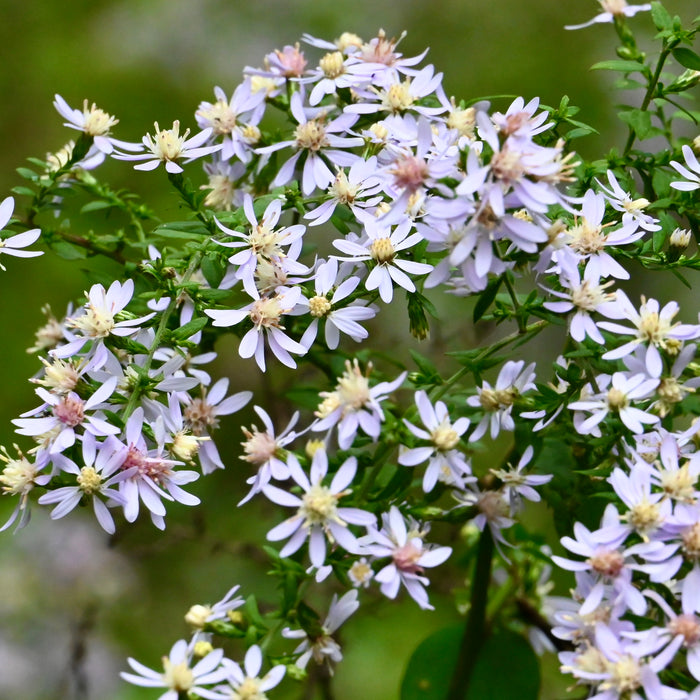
171,233
687,58
25,191
213,270
521,681
431,666
27,174
620,65
486,298
189,329
95,206
640,121
660,16
67,251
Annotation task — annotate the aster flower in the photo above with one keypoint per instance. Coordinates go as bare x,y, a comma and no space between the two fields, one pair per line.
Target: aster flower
199,615
624,388
13,245
321,646
612,9
445,463
409,556
94,122
234,121
653,326
265,450
337,320
318,517
18,477
354,405
631,208
497,402
98,319
167,146
245,683
178,675
383,246
692,179
318,140
518,485
266,314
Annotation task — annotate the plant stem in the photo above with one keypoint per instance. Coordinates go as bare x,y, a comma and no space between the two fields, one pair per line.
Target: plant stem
475,627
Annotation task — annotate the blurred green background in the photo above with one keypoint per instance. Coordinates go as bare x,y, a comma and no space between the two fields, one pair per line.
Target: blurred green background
71,606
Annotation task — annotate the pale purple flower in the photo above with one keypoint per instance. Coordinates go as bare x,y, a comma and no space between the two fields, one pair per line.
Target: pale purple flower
356,189
318,140
199,615
319,516
692,179
167,146
336,320
246,682
652,326
518,485
624,389
409,556
354,405
98,318
13,245
497,402
520,119
612,9
445,462
265,450
18,477
94,479
324,648
178,675
382,247
631,208
68,412
263,242
234,121
266,314
94,122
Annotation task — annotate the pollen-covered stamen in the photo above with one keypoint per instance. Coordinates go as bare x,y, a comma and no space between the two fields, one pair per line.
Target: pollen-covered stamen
585,238
200,416
250,134
382,250
614,7
626,675
167,143
398,97
588,296
186,446
493,506
319,506
651,327
679,484
266,313
644,517
410,173
197,616
444,437
332,65
178,677
89,481
691,542
152,467
19,474
607,562
406,558
670,391
59,375
250,689
70,411
342,190
221,117
97,122
616,399
292,60
259,447
688,626
497,399
266,241
319,306
463,120
311,135
507,165
353,387
94,323
330,403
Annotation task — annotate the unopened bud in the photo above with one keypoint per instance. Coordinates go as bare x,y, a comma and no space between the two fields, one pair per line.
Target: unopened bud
202,648
680,238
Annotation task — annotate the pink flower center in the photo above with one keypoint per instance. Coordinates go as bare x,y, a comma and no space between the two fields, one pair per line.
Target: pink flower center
70,411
